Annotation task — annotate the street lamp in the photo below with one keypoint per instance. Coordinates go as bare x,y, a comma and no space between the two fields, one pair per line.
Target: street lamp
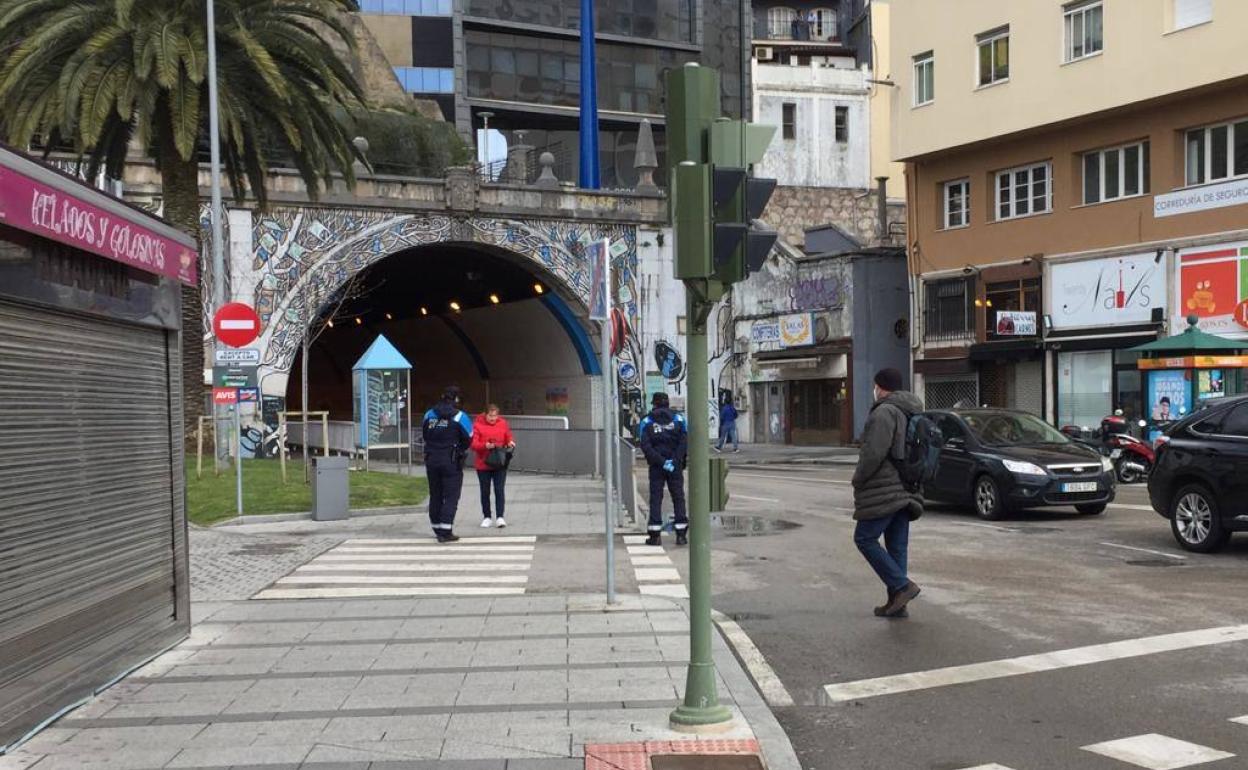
218,248
485,133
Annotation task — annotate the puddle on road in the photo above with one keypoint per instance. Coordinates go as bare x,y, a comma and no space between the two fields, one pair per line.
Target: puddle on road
735,525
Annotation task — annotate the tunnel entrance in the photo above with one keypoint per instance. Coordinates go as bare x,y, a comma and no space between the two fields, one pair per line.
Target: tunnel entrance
487,320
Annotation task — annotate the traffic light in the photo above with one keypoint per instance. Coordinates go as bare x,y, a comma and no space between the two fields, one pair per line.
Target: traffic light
715,201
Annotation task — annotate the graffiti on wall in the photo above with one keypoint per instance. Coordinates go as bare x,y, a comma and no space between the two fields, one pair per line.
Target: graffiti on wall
669,363
819,293
301,256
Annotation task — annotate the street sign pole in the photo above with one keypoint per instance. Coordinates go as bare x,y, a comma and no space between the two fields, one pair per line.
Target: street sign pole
238,462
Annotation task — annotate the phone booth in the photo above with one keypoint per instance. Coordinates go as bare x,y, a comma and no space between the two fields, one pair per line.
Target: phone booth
1183,371
382,387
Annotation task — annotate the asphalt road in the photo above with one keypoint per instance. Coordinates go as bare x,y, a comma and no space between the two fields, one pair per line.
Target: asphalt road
1036,583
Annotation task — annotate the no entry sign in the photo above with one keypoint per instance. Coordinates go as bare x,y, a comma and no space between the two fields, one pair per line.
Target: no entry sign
236,324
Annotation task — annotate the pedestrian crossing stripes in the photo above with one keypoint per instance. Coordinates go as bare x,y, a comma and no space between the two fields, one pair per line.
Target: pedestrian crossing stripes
407,567
656,574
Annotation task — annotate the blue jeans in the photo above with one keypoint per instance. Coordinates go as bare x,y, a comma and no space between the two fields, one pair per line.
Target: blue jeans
889,564
728,432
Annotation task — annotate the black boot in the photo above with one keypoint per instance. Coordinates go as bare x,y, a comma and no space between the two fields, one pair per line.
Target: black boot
448,538
654,539
681,537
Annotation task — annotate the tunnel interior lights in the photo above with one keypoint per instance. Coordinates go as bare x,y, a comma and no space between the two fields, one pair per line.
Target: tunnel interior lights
359,321
424,311
494,299
455,306
537,287
330,323
389,317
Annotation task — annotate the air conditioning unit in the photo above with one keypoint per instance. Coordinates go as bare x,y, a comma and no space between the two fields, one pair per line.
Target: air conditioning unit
765,53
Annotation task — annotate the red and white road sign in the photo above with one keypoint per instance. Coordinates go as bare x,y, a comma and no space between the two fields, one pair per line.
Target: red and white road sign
225,396
236,324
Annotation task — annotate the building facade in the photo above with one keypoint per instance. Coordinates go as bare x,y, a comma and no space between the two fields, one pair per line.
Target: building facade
520,63
1076,181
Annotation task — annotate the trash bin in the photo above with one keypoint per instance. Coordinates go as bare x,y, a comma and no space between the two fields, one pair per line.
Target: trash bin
329,489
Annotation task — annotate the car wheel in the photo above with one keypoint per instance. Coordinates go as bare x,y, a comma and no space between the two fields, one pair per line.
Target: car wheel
1091,509
1195,521
987,499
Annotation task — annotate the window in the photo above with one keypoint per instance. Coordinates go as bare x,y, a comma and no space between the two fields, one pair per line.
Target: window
948,309
788,120
824,25
1084,22
924,79
1217,152
950,427
426,80
994,56
842,124
1120,172
407,7
1235,423
1021,295
781,22
1188,13
957,203
1024,191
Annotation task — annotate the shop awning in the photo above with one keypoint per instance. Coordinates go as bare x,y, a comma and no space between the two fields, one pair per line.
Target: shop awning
1191,340
1005,350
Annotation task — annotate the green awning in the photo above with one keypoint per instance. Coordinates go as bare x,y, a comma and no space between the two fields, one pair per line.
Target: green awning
1191,340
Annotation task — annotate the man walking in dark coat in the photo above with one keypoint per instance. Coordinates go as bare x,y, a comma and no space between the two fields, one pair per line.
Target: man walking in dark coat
448,432
665,441
883,506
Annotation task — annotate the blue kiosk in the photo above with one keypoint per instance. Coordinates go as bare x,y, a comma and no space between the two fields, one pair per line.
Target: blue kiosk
382,385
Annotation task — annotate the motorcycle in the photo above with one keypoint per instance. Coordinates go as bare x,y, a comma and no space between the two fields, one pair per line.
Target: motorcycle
1133,458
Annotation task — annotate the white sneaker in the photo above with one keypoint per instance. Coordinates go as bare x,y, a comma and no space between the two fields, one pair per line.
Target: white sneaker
501,522
486,523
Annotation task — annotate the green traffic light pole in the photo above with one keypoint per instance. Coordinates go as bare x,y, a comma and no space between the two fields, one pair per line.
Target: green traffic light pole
693,104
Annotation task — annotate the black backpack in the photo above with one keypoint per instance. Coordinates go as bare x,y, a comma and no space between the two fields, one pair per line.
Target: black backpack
922,452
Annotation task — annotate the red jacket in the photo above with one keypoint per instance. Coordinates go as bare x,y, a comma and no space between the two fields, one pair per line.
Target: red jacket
482,431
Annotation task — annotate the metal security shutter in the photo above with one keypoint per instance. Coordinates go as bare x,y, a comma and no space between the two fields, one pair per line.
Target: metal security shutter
1028,387
91,517
947,392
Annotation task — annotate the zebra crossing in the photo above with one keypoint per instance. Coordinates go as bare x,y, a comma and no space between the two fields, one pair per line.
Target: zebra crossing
399,567
654,570
1151,751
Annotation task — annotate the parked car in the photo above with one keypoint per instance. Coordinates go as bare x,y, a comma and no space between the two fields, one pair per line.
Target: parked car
998,460
1200,479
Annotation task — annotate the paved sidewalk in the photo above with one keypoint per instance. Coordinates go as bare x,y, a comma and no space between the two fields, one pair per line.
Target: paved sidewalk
502,683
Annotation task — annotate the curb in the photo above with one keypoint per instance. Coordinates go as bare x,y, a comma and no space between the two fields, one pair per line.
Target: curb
355,513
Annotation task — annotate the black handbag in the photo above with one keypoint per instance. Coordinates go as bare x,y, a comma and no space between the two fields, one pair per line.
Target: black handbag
497,458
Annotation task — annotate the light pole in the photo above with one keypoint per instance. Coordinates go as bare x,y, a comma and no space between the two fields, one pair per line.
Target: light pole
485,142
218,248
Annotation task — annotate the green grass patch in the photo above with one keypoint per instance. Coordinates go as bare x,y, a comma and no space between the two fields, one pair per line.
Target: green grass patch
211,499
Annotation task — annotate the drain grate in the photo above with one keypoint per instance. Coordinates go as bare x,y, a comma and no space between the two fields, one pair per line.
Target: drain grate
266,549
733,525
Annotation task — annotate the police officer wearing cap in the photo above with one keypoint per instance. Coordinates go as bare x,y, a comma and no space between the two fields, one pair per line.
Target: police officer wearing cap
448,433
665,442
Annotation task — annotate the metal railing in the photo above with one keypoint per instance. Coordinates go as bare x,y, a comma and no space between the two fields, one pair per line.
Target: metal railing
798,29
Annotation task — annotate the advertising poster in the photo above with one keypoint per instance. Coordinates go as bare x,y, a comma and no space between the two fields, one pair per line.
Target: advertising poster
1016,323
599,268
1213,286
1209,384
1106,292
1169,394
557,402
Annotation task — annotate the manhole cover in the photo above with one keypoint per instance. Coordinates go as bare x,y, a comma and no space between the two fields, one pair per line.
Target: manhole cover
1154,563
733,525
266,549
706,762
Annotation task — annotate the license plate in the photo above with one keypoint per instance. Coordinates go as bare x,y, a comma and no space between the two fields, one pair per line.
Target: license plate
1079,486
1114,455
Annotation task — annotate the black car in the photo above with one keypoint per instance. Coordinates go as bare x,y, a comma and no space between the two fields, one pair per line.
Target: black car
1200,478
1000,460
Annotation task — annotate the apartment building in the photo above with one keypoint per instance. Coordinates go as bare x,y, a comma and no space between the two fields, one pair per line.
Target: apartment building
1077,181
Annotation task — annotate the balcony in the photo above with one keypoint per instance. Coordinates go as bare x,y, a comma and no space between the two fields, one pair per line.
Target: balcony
797,30
949,311
788,77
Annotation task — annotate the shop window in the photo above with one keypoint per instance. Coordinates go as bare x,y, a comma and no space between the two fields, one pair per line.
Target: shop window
1119,172
1024,191
948,309
1006,296
1215,153
1084,394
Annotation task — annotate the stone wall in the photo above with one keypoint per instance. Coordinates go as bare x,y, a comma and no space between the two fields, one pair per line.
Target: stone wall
793,209
376,74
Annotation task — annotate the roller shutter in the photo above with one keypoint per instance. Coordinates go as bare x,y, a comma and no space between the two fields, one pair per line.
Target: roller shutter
91,517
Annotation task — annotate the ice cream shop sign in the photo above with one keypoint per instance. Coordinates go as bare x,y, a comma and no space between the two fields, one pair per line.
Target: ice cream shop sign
107,228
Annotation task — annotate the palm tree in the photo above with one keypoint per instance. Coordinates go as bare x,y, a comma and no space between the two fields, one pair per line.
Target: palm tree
109,76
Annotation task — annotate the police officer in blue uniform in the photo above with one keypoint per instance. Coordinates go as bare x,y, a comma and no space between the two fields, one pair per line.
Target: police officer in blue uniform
448,432
665,442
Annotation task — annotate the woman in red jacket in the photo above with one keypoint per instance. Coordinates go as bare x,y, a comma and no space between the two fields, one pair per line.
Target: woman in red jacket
490,432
